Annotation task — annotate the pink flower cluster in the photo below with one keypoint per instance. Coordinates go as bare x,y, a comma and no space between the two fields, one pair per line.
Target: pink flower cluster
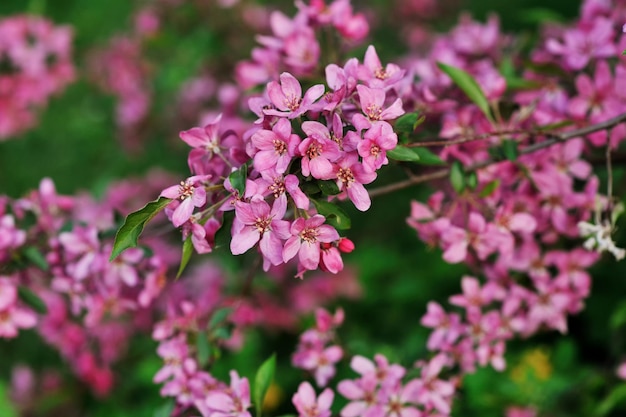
121,70
511,224
293,46
316,352
35,63
341,144
61,261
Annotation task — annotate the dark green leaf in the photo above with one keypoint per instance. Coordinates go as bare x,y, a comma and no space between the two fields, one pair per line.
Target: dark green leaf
335,216
489,188
509,149
262,381
457,177
32,300
310,188
36,257
540,15
408,123
128,234
219,316
203,347
238,178
470,87
329,187
222,236
427,157
615,397
402,153
186,256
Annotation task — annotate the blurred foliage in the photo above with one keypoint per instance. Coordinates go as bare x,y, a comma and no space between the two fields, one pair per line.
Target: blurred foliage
76,144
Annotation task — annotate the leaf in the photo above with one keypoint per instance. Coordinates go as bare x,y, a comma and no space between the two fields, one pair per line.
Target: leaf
329,187
509,149
203,348
489,188
186,256
237,179
126,237
615,397
219,316
408,122
471,180
335,216
262,381
402,153
470,87
457,177
36,257
32,300
166,409
427,157
310,188
222,236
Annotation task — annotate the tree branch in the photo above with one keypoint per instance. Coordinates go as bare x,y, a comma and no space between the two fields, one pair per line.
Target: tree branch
554,138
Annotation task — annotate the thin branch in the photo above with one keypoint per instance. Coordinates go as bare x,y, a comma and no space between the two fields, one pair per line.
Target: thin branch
554,139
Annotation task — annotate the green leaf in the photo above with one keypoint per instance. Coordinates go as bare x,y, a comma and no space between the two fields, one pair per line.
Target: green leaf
126,237
166,409
471,180
32,300
7,409
203,348
186,256
470,87
329,187
335,216
219,316
402,153
457,177
409,122
237,179
489,188
36,257
540,15
427,157
262,381
222,236
310,188
509,149
615,397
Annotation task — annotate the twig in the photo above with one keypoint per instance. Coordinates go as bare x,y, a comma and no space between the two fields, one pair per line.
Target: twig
554,139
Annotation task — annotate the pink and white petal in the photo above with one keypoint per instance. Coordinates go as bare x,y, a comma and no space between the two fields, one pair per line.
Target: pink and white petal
292,246
245,239
183,212
359,196
309,255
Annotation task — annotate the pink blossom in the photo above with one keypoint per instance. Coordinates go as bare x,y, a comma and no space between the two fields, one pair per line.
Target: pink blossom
255,222
191,193
275,148
308,405
233,403
287,97
351,176
374,74
306,238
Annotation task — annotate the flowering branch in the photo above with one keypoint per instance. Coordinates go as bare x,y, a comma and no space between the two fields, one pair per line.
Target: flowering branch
554,138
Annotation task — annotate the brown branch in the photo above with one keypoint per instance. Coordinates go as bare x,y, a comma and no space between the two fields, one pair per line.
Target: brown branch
554,139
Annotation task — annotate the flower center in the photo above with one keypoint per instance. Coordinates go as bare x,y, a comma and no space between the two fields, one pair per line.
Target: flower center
185,189
277,188
374,112
314,151
309,235
381,74
262,224
346,176
375,150
279,146
292,102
